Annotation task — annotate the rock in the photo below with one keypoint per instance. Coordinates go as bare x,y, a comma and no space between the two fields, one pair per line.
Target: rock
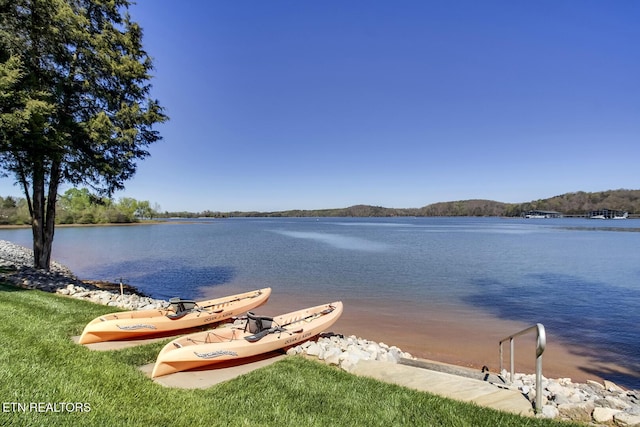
577,411
347,365
624,419
314,350
612,402
565,382
373,350
293,351
392,356
555,388
358,353
557,393
604,415
332,356
610,386
595,385
577,396
561,398
348,361
549,411
81,294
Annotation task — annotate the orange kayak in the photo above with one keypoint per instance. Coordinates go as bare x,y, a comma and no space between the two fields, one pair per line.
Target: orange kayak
260,334
181,314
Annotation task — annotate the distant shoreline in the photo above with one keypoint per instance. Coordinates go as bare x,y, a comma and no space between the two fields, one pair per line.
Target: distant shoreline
109,224
195,221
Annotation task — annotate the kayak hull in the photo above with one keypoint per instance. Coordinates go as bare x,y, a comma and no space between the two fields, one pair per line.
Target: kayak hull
143,323
205,348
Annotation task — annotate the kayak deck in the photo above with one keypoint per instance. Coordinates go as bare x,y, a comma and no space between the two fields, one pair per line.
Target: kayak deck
182,315
238,342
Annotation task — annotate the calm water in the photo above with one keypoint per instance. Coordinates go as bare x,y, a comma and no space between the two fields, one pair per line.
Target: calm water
580,278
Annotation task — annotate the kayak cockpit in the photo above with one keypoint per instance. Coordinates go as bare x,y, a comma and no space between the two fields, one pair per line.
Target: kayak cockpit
179,307
256,324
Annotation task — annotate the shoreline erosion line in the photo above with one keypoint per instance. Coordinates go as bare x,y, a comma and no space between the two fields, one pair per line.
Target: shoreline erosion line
590,401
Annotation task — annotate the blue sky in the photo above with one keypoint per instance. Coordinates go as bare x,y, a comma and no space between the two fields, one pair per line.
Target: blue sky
279,105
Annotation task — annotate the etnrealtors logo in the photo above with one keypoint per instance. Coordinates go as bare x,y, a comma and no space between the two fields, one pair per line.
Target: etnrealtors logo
43,407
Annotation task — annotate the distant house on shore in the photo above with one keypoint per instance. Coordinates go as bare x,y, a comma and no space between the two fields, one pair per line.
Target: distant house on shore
607,214
541,214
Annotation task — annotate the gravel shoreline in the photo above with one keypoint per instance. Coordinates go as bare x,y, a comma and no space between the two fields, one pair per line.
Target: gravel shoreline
591,402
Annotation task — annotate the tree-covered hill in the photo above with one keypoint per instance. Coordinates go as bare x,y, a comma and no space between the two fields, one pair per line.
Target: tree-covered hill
79,207
578,203
581,202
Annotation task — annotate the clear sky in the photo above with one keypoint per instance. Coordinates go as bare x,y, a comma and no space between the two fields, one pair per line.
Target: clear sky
279,105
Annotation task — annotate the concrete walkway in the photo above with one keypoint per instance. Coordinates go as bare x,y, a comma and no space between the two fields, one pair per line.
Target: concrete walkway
444,380
448,385
443,384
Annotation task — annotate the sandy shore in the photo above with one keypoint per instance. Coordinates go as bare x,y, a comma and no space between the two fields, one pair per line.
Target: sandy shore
457,335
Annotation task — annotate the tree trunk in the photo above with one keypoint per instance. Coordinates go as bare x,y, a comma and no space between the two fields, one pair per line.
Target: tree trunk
37,219
43,216
50,221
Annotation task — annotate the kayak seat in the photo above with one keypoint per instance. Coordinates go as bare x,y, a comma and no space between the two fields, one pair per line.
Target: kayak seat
180,307
256,324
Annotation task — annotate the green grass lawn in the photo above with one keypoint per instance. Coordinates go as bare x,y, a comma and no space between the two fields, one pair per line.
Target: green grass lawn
46,379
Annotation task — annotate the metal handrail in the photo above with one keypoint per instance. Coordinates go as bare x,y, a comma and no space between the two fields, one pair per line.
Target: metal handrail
541,343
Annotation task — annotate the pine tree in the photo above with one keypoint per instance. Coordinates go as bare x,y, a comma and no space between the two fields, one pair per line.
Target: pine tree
74,102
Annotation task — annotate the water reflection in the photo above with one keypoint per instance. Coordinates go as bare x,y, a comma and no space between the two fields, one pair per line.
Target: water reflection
580,311
339,241
164,278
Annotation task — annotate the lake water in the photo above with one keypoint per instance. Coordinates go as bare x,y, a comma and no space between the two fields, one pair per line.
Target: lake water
446,288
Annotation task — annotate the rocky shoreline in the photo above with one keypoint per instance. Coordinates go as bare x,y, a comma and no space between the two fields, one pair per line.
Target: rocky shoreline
590,402
16,268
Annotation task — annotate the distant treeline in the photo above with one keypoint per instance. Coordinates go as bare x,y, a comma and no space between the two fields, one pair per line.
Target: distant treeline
79,207
579,203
